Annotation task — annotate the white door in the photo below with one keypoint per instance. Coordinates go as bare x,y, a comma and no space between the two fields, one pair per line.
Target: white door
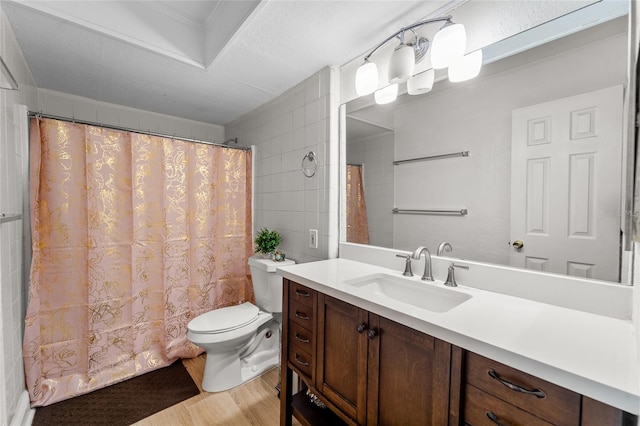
566,171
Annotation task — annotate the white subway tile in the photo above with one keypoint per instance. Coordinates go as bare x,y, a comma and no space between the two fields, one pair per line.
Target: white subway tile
299,96
299,117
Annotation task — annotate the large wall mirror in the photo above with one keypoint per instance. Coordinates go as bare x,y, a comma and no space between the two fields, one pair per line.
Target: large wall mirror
526,166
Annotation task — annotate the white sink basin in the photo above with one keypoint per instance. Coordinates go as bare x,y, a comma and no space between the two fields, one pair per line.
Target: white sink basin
418,294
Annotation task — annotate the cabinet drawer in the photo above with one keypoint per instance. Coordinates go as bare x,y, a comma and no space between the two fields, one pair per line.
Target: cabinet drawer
300,359
482,409
301,314
301,294
300,336
552,403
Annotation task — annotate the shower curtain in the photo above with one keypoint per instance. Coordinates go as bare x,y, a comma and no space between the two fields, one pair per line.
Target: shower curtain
132,236
357,223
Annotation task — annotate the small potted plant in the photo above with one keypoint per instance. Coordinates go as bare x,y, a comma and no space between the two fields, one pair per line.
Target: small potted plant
267,241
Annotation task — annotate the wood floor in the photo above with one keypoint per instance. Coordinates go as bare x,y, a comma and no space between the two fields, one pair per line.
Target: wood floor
254,403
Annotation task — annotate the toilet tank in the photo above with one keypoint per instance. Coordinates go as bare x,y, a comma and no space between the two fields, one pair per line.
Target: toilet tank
267,285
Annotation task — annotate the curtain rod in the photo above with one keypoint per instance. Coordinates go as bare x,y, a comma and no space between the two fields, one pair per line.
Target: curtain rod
126,129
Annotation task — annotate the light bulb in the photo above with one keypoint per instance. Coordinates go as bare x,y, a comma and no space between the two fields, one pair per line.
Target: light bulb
466,67
401,64
366,78
421,83
386,94
448,44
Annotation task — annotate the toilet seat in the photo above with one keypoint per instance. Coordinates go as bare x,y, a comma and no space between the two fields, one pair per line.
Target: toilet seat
224,319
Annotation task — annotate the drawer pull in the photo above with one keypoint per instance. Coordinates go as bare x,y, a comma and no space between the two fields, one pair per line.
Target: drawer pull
302,315
536,392
300,339
302,293
491,416
299,361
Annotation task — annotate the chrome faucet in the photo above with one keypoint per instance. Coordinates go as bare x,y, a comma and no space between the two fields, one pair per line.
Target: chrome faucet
407,265
426,276
444,246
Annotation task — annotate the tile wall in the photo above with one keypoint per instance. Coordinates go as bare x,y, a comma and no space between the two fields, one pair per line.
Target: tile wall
13,168
283,132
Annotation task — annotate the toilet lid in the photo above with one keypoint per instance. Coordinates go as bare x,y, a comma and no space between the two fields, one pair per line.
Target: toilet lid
268,264
224,319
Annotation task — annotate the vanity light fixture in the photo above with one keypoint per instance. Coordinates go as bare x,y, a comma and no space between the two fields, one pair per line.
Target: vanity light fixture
386,94
421,83
366,78
448,46
402,62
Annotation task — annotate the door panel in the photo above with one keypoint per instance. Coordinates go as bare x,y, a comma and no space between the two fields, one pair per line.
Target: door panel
408,382
342,356
566,185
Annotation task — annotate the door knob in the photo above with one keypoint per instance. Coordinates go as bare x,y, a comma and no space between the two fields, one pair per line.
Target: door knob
371,334
360,328
517,244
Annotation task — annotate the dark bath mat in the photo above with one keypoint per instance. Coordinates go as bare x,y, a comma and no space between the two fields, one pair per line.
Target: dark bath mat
123,403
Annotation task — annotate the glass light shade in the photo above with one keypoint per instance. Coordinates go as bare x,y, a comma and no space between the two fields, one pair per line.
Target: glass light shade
401,64
366,78
448,44
466,67
421,83
386,94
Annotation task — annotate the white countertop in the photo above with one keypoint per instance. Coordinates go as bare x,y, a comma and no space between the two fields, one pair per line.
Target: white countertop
591,354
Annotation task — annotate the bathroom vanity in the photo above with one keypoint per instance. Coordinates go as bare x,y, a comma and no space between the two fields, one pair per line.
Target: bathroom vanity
369,354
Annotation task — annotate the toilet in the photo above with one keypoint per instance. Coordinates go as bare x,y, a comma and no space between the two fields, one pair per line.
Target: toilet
242,341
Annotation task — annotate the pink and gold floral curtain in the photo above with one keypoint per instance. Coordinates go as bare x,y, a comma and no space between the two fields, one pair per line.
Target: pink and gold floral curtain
133,236
357,223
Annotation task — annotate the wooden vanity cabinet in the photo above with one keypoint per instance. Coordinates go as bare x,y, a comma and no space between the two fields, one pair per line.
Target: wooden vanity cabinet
368,370
379,372
496,394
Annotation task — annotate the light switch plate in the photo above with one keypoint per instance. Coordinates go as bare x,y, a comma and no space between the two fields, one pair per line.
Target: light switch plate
313,238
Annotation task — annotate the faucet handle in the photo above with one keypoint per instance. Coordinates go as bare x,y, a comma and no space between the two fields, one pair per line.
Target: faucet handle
451,276
407,264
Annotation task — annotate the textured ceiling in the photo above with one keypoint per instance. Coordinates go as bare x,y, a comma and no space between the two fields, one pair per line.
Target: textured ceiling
209,61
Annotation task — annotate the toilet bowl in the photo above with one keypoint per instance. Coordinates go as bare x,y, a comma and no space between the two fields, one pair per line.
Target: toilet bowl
242,341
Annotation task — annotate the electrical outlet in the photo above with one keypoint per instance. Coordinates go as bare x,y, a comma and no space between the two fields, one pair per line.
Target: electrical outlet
313,238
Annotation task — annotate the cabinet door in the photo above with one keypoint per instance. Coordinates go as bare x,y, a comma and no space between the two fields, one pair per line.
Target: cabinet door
342,356
408,379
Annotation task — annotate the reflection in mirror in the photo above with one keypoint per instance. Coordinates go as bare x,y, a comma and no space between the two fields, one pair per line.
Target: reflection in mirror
545,167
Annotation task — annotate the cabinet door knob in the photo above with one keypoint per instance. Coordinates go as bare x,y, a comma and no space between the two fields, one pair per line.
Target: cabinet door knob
371,334
361,327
